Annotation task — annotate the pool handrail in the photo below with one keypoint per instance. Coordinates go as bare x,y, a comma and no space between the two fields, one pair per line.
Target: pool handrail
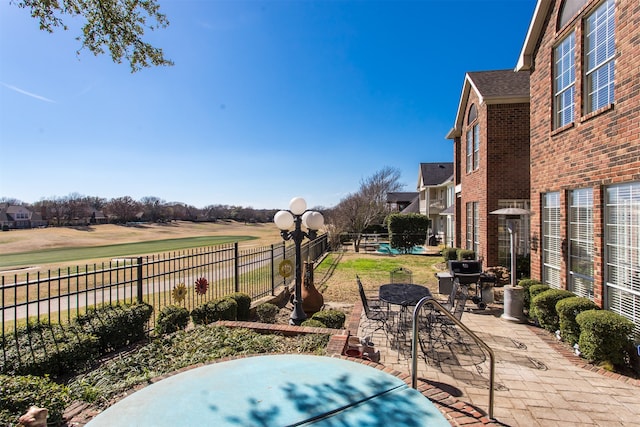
414,346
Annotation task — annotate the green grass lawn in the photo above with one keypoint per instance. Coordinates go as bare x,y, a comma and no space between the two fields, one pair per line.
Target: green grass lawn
61,255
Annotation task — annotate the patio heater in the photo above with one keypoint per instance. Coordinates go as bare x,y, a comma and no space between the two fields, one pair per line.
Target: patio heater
513,294
296,216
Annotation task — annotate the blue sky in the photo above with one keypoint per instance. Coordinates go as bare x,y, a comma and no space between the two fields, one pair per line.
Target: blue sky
267,99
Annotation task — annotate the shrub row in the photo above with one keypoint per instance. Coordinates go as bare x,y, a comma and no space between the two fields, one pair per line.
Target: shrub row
236,306
55,350
453,254
602,335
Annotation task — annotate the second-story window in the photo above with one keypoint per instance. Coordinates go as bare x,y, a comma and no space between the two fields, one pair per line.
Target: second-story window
473,140
599,56
564,81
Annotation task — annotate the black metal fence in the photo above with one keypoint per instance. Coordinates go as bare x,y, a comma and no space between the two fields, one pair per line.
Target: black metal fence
57,296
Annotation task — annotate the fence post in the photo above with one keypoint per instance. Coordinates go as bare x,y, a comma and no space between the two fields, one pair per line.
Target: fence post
273,273
236,267
139,279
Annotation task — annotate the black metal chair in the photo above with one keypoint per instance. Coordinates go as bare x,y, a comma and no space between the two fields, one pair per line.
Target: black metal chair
377,313
401,275
440,339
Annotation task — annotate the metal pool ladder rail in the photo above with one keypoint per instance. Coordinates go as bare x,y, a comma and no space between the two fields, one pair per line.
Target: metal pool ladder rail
414,346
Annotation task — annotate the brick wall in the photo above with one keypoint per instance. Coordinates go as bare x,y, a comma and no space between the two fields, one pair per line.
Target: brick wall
503,172
597,149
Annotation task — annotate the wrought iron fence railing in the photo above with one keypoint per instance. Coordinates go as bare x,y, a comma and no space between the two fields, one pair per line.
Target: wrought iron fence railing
57,296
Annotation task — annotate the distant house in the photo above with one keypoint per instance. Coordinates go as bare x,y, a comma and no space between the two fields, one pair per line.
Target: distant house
491,162
18,217
399,201
435,195
582,57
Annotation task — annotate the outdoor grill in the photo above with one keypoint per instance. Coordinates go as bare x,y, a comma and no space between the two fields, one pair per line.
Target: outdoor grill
467,272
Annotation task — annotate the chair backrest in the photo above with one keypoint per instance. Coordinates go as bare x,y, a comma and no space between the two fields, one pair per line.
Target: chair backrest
401,275
460,301
363,297
451,301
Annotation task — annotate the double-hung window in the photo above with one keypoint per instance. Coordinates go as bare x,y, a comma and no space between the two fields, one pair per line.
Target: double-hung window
581,242
473,140
473,226
551,239
564,81
599,56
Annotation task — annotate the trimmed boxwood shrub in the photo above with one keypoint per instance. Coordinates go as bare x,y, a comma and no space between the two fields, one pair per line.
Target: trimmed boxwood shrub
116,326
19,393
267,312
543,307
466,254
526,284
212,311
533,291
449,254
315,323
333,319
567,310
244,305
605,336
48,349
172,318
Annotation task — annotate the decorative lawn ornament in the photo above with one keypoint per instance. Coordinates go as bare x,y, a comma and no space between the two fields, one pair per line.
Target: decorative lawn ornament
179,292
202,284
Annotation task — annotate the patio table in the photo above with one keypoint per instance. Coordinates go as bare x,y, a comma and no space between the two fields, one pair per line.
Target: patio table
276,390
404,295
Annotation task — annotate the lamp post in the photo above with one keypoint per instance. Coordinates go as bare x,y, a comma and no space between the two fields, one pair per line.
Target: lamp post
296,216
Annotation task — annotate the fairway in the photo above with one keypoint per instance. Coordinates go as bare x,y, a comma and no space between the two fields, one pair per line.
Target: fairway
55,247
63,255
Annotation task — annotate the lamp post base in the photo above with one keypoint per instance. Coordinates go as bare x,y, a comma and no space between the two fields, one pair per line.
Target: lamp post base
297,314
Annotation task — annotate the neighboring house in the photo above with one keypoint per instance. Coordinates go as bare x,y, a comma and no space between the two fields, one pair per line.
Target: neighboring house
584,66
399,201
491,162
13,217
435,195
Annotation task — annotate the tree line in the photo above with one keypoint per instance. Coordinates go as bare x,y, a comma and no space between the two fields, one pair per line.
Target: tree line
364,210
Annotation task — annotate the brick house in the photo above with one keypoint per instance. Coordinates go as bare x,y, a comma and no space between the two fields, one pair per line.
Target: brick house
583,59
491,162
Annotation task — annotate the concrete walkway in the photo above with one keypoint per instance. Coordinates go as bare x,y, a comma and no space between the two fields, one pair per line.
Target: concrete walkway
538,381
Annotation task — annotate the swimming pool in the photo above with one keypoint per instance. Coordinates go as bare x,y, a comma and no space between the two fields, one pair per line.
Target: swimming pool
385,248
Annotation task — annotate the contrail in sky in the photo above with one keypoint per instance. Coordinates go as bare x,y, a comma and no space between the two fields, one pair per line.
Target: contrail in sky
24,92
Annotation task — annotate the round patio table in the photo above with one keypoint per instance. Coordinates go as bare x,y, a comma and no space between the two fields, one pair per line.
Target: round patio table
403,294
276,390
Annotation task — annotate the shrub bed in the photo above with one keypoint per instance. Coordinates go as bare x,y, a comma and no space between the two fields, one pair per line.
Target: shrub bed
535,290
567,310
212,311
543,307
172,318
267,312
526,284
244,305
605,336
330,318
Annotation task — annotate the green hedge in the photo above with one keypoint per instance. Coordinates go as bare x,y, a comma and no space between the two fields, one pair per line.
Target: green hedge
605,336
19,393
116,326
526,284
172,318
449,254
466,254
533,291
567,310
212,311
314,323
48,349
333,319
244,305
543,307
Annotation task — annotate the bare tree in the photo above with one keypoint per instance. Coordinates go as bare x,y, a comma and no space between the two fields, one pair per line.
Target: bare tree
123,208
367,207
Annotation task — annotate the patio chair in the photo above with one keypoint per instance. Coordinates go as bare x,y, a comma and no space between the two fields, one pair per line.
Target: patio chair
401,275
441,340
377,313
